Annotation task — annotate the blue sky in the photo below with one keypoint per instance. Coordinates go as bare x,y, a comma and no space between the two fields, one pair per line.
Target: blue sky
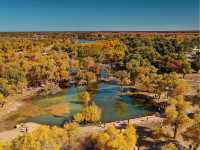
99,15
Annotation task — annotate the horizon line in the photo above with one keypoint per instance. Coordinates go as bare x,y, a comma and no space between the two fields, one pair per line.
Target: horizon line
100,31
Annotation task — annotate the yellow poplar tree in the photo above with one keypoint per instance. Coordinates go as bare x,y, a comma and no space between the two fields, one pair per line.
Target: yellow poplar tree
176,114
71,129
85,97
170,146
113,139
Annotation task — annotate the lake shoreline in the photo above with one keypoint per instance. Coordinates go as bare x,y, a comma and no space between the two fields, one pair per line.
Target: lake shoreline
31,126
16,101
28,101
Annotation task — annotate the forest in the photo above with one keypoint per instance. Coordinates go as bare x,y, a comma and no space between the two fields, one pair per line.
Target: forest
152,66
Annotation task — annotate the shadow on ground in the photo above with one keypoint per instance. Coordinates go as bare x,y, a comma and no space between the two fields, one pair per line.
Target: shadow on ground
147,141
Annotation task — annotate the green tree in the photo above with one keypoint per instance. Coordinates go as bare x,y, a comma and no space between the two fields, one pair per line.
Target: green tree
133,67
123,78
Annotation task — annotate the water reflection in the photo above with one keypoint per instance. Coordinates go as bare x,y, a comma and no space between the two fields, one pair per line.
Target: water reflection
120,107
107,97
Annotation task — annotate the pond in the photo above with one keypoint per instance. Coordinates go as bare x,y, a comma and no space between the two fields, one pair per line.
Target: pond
87,41
106,96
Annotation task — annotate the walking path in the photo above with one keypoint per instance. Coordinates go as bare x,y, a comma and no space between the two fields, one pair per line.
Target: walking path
143,121
12,134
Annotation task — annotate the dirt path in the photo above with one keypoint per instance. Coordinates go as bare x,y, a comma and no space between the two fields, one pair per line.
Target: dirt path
12,134
142,121
84,131
142,124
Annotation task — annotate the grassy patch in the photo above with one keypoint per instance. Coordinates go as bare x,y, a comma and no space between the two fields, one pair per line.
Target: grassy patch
49,101
30,110
58,109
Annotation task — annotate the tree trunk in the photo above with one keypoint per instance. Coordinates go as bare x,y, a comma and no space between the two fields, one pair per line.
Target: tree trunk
183,75
159,96
175,132
197,146
69,142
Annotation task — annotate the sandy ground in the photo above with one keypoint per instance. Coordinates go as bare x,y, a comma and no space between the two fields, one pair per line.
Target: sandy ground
16,101
143,126
12,134
194,81
143,121
13,106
